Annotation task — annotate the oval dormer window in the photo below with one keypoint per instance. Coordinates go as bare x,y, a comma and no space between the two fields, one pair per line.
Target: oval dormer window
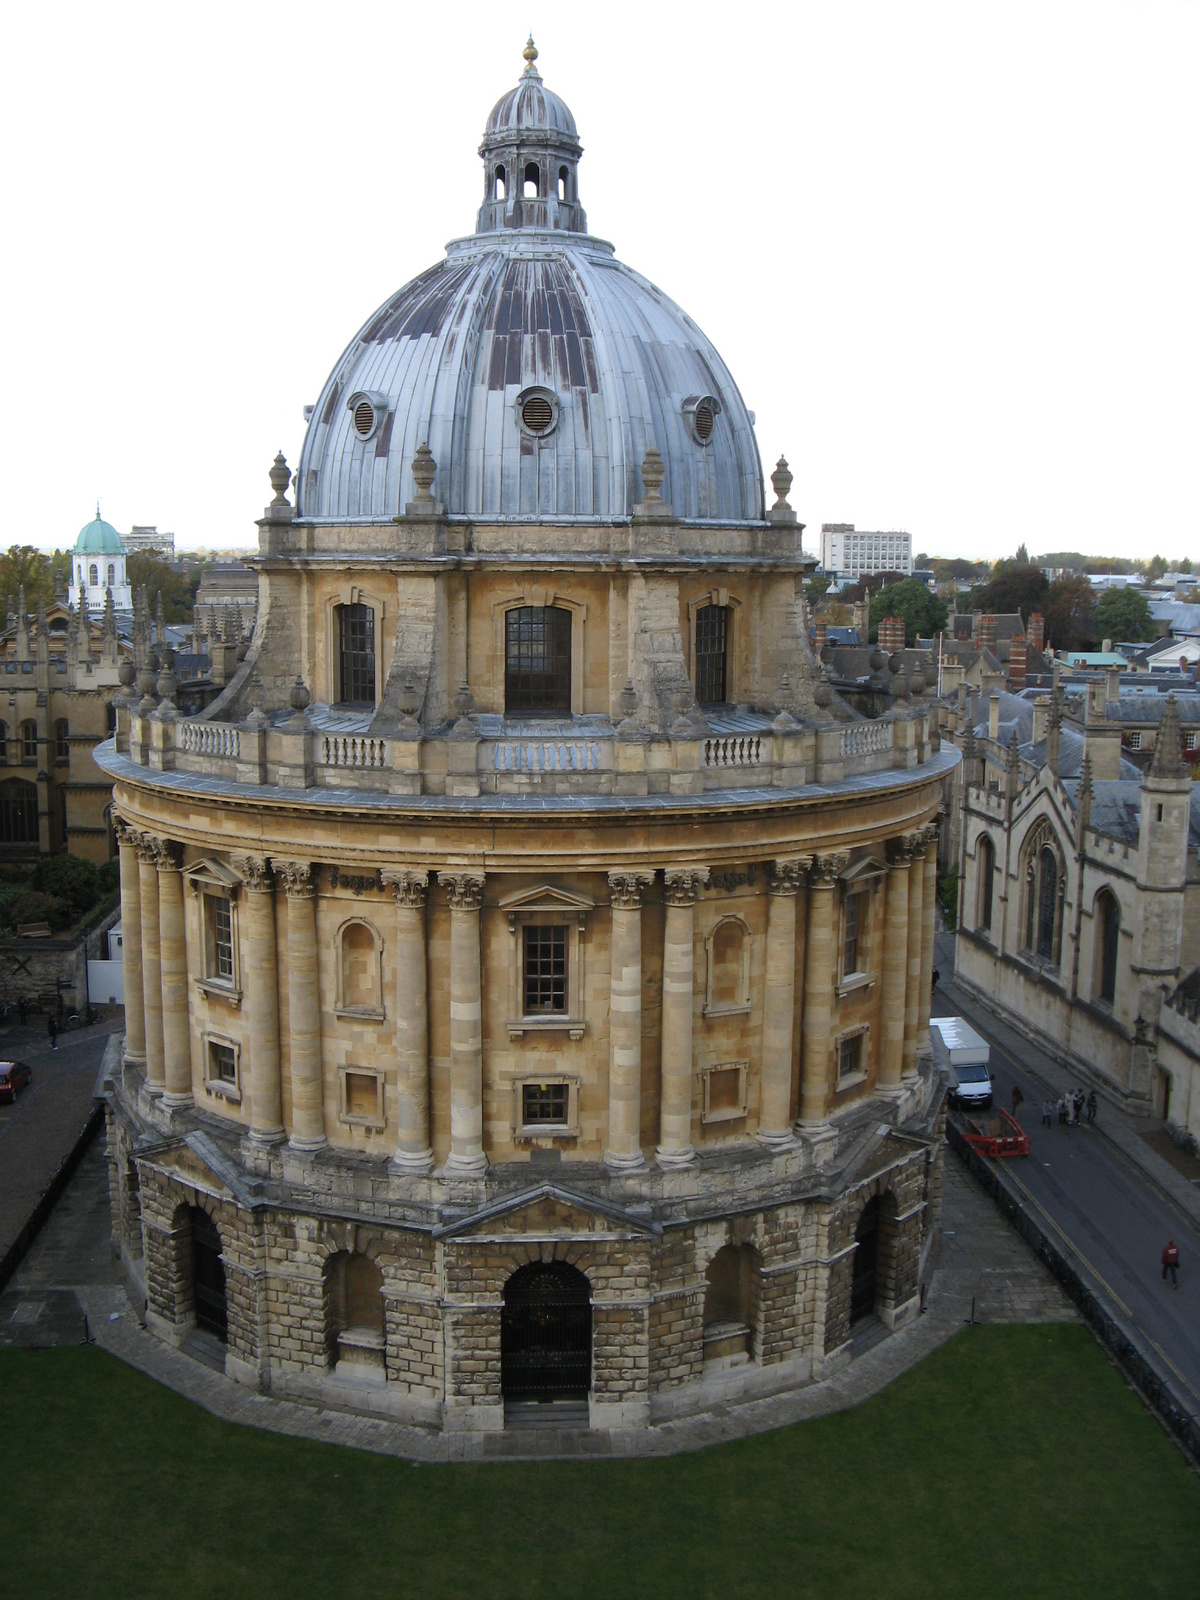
364,418
537,412
700,412
367,411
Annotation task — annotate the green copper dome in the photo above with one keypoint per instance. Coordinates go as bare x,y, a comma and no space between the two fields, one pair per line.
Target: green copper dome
99,538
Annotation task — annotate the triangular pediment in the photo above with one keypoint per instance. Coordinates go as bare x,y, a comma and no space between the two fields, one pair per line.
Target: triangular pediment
862,870
548,1211
213,874
546,897
185,1166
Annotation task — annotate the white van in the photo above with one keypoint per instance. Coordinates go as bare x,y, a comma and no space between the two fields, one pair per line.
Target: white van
956,1045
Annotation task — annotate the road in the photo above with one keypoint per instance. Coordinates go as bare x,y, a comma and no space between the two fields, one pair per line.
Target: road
1096,1200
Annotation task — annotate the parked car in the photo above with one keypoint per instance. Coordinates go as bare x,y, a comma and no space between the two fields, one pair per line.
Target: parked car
14,1075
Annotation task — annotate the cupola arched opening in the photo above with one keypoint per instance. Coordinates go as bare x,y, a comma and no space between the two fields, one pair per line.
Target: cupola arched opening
500,185
564,183
532,186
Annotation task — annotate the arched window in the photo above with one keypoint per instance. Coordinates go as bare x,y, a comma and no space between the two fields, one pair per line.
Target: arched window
986,870
731,1301
354,1326
563,180
712,642
94,575
18,812
29,743
537,660
356,655
500,189
3,744
1108,919
728,967
208,1274
1044,884
112,574
62,747
359,989
533,181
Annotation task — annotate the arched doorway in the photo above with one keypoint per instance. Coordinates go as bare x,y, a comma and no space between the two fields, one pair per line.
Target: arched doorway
866,1255
546,1333
208,1275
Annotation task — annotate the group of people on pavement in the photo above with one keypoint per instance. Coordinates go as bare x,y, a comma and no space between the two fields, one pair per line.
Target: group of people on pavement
1072,1108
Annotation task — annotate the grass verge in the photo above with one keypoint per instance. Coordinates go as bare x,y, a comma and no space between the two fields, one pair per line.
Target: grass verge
1014,1461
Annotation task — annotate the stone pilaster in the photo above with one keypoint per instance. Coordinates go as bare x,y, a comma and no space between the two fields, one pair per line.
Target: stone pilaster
177,1046
466,1158
820,967
261,984
304,1006
151,963
624,1152
413,1151
916,927
895,962
928,929
779,1004
131,944
681,887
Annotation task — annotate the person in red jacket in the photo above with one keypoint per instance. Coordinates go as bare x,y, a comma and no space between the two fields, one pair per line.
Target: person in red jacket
1170,1262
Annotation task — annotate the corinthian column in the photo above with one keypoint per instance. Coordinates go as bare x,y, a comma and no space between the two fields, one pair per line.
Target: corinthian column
820,969
304,1006
262,1001
928,928
413,1152
779,1004
151,965
916,928
177,1045
466,1156
895,962
624,1150
681,887
131,944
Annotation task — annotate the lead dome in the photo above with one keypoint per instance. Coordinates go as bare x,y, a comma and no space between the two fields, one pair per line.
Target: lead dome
531,307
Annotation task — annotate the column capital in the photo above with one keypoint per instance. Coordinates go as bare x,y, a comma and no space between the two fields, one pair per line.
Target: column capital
902,851
297,877
826,870
627,886
256,870
125,832
408,885
785,877
464,888
682,885
931,833
168,855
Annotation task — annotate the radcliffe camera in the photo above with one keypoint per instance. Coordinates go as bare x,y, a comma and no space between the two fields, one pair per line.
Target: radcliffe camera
526,940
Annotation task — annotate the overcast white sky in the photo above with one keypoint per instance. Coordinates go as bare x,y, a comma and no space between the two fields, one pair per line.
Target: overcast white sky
949,251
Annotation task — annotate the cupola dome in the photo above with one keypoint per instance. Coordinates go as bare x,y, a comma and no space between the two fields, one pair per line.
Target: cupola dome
99,538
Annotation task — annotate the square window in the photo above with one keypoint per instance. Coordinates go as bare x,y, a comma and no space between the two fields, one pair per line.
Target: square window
850,1056
545,1104
545,976
362,1094
222,1063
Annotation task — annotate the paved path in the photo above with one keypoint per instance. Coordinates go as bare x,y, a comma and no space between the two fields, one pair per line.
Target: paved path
39,1129
1102,1191
983,1267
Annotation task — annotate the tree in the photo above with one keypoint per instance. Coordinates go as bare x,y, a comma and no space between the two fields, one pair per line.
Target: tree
1155,568
23,566
1124,614
921,612
178,589
816,587
1021,559
1069,609
1020,589
872,583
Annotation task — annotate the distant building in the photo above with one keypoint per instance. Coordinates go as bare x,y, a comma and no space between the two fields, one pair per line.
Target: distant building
141,539
853,554
229,585
98,566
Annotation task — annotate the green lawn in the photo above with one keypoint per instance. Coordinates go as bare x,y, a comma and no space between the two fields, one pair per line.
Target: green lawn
1012,1462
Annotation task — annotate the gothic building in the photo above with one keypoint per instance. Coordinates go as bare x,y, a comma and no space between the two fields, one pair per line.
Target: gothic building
528,953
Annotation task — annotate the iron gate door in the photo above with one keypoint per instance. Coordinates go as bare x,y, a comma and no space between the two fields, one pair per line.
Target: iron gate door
862,1286
546,1333
208,1275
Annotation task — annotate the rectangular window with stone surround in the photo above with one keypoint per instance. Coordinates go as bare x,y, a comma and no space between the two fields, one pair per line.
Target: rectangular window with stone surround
222,1068
852,1057
545,970
222,921
546,1106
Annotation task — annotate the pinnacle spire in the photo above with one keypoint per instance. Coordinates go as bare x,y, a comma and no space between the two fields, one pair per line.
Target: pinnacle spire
1167,761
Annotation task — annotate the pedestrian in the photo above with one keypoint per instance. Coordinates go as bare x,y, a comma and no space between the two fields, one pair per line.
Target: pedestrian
1047,1113
1075,1100
21,1009
1092,1105
1170,1263
1062,1110
52,1030
1017,1097
934,984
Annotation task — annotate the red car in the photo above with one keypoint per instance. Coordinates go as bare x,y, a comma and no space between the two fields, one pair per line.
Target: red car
14,1075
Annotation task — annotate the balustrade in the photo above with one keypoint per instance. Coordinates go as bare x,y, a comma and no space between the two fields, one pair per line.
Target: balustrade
739,750
209,738
359,751
866,738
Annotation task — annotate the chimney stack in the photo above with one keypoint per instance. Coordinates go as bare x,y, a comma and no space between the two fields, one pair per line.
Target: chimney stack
891,634
993,717
1036,633
821,636
987,634
1016,664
